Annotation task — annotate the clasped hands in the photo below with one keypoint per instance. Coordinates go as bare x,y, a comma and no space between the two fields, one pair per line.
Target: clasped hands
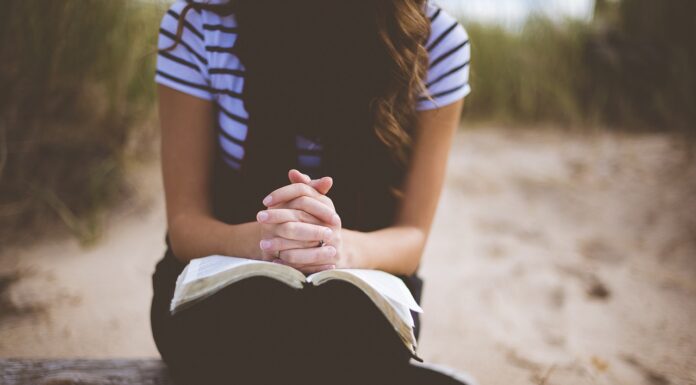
299,216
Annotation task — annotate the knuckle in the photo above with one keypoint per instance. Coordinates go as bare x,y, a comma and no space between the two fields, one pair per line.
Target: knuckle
304,217
320,207
277,244
286,229
288,256
302,230
293,229
284,211
319,232
317,257
326,200
293,256
280,244
302,201
295,215
286,216
321,258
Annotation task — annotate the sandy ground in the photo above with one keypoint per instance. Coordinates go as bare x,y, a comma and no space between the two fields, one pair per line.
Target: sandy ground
554,259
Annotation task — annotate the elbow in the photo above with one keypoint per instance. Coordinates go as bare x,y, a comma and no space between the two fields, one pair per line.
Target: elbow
178,231
419,237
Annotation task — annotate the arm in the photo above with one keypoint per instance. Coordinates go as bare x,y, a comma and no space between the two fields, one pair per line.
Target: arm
187,154
398,249
187,147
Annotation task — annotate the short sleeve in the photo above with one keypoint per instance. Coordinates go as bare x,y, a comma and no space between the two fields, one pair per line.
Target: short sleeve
183,68
449,55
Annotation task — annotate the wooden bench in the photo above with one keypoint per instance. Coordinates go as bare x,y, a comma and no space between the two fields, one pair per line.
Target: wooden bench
111,372
83,372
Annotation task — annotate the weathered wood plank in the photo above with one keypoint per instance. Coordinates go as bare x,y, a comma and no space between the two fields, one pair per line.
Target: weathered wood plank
83,372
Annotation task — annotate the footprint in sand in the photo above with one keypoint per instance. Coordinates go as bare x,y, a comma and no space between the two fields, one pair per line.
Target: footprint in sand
599,250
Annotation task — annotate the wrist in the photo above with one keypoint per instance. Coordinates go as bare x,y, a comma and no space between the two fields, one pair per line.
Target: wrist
242,240
352,241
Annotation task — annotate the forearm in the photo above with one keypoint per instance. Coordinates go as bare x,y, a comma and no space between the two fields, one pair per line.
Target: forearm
396,249
194,236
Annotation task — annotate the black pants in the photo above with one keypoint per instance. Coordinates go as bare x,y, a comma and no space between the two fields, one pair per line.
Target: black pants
260,331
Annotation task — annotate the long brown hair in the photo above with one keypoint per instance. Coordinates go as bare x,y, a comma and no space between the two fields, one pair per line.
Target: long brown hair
351,74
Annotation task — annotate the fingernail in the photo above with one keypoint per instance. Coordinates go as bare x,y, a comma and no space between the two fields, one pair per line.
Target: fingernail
331,250
335,219
262,216
267,200
327,232
332,267
265,244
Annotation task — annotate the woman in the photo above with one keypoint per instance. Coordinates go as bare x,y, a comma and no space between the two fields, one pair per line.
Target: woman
257,97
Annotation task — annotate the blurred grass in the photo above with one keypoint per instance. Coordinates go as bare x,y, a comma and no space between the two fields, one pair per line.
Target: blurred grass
76,79
527,77
77,91
632,68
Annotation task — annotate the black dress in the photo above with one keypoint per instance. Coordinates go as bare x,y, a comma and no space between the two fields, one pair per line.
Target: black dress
260,331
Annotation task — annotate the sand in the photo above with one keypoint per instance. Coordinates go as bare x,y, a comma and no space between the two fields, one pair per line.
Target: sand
554,258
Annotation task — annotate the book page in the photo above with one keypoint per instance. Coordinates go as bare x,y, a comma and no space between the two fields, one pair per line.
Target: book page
203,277
387,292
403,312
200,268
388,285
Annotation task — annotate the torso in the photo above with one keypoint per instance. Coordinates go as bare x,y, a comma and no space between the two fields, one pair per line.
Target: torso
208,38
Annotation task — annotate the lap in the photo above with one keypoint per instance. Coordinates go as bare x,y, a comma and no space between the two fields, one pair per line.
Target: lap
259,330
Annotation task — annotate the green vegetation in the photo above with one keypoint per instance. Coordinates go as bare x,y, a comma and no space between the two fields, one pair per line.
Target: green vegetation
632,67
77,90
527,77
76,80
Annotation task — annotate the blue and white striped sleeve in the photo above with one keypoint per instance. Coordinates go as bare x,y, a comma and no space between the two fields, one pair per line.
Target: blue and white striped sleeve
449,53
183,68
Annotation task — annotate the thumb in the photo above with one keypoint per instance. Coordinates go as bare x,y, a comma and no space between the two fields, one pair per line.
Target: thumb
297,177
322,185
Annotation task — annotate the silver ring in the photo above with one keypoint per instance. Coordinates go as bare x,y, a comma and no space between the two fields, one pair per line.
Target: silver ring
321,243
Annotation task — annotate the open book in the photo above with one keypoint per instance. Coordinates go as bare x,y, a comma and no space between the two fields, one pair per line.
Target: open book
203,277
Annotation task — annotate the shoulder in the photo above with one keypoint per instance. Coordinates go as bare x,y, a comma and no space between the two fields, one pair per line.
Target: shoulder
183,60
192,21
446,32
200,23
449,53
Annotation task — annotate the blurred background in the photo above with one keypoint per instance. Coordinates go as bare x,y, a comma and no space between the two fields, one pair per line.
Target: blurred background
564,248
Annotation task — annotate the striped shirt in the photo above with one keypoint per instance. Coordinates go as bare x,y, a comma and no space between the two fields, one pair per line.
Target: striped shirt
203,65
